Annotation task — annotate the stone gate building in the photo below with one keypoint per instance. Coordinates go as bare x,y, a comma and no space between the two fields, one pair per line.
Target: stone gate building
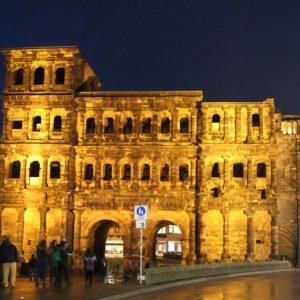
74,161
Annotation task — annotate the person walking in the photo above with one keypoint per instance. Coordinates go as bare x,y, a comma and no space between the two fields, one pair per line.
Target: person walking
9,258
54,259
89,266
63,264
32,267
41,266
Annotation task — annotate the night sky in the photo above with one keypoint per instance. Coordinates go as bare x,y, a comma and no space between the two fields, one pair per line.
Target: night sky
231,50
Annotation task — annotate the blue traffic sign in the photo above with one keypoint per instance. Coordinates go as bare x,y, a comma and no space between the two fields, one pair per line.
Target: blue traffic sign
140,212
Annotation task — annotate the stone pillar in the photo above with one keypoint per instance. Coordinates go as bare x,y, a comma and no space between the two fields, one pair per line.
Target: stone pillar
205,128
273,173
175,127
65,211
250,235
45,171
238,124
261,124
202,256
43,212
77,230
47,126
155,127
226,251
191,257
97,174
20,229
78,172
249,125
274,235
70,228
5,132
250,174
227,172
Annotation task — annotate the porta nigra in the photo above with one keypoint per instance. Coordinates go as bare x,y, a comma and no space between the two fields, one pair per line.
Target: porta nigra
74,161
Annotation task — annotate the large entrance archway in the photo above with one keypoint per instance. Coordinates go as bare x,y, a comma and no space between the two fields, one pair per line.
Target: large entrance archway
108,240
167,245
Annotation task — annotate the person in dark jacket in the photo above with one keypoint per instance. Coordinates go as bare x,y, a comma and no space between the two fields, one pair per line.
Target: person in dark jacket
41,265
32,267
63,264
8,258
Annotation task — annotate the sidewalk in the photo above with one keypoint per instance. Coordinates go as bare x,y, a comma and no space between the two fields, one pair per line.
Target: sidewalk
78,290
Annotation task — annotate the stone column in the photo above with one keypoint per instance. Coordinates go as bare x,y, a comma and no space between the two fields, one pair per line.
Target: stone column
78,172
47,126
202,256
97,174
274,235
77,237
154,127
273,173
250,235
191,258
20,229
249,125
227,172
45,171
226,241
43,212
175,127
238,125
250,174
5,132
261,123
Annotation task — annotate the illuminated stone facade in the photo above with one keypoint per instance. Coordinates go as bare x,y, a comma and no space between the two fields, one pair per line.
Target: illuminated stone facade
75,161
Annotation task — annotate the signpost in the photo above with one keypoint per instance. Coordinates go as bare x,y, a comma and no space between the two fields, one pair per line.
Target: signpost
140,216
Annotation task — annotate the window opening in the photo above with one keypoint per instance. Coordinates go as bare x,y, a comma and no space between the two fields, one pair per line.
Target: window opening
128,126
215,170
261,170
165,125
89,172
57,123
108,172
55,170
19,77
183,173
37,123
127,172
39,75
184,125
215,192
255,120
15,169
164,175
146,126
238,170
146,172
263,194
34,170
17,124
60,76
90,126
109,128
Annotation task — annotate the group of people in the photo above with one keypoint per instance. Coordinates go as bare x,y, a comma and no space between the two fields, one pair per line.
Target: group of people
55,257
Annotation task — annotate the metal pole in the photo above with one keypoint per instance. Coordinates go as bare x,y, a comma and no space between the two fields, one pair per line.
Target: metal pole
141,255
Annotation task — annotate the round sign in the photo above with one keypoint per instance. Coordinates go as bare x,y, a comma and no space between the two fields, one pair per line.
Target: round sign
141,211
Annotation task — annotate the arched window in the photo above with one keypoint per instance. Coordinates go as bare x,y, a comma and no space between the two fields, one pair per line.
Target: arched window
109,128
238,170
108,172
146,126
128,126
215,122
261,170
37,123
263,194
146,172
15,169
39,75
60,76
55,170
34,170
127,172
183,173
89,172
165,126
255,120
215,170
57,123
164,175
19,77
184,125
90,126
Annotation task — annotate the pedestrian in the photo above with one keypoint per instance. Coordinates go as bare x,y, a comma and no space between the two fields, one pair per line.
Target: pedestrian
41,265
89,266
63,264
32,267
103,267
9,258
54,259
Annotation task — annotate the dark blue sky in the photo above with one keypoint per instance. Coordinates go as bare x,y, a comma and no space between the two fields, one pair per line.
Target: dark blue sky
232,50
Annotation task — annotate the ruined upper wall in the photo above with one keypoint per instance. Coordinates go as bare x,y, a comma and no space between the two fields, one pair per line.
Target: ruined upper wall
47,70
